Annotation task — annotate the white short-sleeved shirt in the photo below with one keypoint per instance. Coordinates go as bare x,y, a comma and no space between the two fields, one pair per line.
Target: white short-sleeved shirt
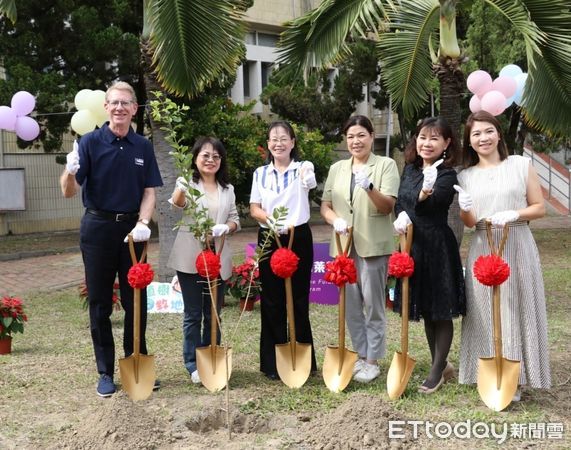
272,188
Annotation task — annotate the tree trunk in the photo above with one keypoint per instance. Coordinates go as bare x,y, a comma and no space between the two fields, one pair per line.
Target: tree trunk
167,216
451,87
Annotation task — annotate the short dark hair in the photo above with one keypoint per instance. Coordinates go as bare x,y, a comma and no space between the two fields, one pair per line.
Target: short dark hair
222,174
441,127
363,121
471,158
294,155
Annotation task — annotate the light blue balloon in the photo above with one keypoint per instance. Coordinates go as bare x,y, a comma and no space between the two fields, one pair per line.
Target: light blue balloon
520,80
511,70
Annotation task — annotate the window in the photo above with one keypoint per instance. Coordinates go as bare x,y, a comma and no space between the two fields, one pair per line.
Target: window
267,40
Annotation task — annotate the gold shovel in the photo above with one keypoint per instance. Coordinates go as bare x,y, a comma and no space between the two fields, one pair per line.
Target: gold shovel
402,365
497,376
339,362
137,371
293,359
214,362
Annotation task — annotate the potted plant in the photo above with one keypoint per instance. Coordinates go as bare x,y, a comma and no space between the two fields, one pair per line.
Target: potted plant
12,318
244,283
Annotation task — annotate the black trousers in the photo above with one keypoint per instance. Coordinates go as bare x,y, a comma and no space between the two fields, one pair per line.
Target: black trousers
105,257
273,299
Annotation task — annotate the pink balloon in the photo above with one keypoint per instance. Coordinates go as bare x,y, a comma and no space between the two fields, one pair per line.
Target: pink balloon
494,102
475,104
479,82
27,128
23,103
7,118
506,85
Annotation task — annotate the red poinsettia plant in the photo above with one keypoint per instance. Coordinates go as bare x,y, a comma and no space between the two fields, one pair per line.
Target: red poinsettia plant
12,316
116,298
245,280
491,270
341,270
401,265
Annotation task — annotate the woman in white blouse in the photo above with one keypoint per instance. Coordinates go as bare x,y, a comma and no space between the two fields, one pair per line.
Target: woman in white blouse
285,181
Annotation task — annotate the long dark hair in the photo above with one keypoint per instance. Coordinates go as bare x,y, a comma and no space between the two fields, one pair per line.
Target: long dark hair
294,155
440,126
471,158
363,121
221,175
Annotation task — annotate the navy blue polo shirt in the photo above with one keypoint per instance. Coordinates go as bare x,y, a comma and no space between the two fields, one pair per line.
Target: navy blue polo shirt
114,172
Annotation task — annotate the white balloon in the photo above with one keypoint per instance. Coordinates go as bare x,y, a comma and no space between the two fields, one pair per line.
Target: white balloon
83,121
81,99
96,102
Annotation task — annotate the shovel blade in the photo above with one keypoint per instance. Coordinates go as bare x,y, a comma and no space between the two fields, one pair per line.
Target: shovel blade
399,374
212,371
336,380
294,378
497,398
139,381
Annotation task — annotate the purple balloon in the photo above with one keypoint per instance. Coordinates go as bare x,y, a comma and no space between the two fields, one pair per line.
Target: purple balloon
23,103
27,128
7,118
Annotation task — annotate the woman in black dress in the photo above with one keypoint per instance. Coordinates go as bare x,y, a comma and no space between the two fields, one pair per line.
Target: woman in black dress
437,285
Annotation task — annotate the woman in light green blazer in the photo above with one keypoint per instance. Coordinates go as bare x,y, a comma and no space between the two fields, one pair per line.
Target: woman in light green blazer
360,192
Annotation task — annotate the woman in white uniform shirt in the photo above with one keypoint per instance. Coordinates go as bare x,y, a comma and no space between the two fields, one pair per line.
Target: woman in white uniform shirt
285,181
210,177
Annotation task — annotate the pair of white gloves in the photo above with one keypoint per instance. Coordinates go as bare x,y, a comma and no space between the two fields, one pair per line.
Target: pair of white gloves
498,219
217,230
140,232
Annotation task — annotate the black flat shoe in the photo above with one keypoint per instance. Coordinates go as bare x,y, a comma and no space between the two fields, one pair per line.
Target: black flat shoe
271,376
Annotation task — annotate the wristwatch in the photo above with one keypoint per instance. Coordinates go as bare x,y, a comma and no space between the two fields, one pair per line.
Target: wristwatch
144,221
370,187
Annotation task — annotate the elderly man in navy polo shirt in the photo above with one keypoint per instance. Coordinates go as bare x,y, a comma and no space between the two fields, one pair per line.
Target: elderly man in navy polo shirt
117,172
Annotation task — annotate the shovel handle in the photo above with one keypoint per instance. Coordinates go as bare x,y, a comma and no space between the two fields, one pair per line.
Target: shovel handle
406,244
132,250
290,320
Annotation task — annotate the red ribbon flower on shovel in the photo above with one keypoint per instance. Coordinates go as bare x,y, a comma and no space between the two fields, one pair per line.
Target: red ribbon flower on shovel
140,275
491,270
284,262
401,265
208,264
341,270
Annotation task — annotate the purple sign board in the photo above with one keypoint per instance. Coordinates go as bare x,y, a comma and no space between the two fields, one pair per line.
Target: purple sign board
320,291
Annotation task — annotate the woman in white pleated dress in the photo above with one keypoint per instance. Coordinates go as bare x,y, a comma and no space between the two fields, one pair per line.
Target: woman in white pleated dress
504,189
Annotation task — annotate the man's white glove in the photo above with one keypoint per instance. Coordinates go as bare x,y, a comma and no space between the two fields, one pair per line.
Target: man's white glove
72,165
140,233
284,229
181,184
402,222
307,174
499,219
340,225
464,199
219,229
361,179
430,173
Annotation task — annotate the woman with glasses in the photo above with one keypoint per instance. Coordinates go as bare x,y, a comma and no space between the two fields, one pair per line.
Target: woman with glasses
210,178
284,181
360,192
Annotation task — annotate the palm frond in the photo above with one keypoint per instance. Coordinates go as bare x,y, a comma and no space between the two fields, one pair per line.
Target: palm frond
404,53
8,7
193,42
318,38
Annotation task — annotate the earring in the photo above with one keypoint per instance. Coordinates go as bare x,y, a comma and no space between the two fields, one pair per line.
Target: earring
444,153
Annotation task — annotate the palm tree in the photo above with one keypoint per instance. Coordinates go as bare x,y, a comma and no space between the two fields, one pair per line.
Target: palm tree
406,31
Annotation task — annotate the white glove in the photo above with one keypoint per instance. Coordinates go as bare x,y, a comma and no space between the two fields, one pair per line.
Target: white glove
181,184
308,180
402,222
464,199
219,229
340,225
430,173
284,229
361,179
501,218
140,233
72,165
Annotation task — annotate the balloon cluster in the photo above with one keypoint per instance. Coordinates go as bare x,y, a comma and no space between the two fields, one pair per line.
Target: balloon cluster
15,118
90,111
495,96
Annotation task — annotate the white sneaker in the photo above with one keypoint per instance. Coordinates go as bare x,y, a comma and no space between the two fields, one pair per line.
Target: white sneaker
367,373
359,365
194,377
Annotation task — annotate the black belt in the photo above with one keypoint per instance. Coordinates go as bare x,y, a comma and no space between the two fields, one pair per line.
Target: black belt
117,217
